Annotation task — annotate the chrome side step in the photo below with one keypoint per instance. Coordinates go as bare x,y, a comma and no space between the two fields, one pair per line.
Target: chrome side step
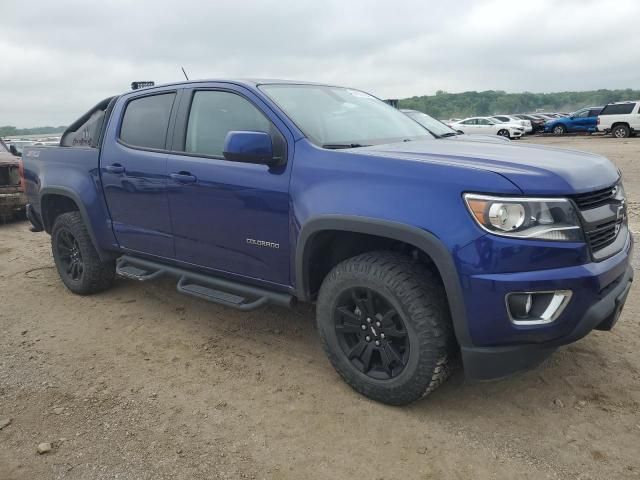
213,289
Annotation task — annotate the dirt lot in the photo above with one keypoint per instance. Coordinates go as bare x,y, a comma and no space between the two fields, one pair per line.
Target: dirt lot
143,383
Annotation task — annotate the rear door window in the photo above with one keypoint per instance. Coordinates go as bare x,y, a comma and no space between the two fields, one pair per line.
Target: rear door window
618,109
146,121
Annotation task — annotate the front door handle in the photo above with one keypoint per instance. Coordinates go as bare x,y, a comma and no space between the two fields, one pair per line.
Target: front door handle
183,177
115,168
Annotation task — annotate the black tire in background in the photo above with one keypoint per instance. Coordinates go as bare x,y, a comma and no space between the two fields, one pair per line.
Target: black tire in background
76,259
419,332
621,131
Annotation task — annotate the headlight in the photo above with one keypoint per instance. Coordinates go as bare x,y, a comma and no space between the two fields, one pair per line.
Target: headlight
535,218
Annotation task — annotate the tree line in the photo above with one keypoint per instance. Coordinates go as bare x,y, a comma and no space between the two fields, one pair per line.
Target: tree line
444,105
11,131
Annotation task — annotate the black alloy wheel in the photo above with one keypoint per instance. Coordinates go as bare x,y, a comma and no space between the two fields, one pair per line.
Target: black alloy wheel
70,255
371,333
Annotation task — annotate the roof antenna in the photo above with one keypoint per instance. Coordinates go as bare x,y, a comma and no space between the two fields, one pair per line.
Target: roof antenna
185,74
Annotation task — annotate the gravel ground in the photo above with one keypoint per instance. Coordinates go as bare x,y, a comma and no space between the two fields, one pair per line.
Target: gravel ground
143,383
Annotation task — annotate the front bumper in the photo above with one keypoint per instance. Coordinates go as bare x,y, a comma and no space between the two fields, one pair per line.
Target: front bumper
499,348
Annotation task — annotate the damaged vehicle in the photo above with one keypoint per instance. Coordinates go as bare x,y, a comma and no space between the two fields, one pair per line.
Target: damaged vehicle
12,198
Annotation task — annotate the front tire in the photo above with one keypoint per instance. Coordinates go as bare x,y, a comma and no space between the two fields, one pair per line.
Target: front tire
504,133
76,259
621,131
385,326
559,130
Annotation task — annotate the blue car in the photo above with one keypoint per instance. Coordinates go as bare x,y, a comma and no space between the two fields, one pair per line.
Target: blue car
584,120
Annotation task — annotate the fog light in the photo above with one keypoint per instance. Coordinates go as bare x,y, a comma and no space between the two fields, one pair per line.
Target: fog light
536,308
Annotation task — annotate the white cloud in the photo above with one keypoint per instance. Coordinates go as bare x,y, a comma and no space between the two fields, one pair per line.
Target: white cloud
59,58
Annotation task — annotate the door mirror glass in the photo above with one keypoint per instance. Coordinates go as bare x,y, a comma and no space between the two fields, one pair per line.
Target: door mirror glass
249,147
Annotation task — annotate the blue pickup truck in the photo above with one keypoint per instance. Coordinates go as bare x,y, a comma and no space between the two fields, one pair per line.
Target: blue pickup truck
415,249
583,120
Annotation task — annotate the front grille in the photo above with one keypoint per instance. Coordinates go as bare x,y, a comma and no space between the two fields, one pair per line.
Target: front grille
595,199
604,235
601,225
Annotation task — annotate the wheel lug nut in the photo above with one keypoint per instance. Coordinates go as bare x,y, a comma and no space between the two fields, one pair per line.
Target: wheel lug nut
367,338
382,335
368,320
363,326
377,324
377,343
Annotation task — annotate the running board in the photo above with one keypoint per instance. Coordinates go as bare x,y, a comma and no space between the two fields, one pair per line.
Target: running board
213,289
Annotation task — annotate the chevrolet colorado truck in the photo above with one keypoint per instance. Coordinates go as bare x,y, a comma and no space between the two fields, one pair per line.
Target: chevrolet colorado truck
12,199
415,249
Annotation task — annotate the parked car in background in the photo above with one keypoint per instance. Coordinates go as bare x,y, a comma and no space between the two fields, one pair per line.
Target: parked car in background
526,124
12,198
487,126
537,123
545,116
621,119
442,130
583,120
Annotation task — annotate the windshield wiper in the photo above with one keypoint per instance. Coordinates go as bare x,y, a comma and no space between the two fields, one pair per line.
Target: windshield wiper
338,146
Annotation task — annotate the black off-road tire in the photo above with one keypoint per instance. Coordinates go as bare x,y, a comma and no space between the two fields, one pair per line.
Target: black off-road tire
420,300
96,275
621,131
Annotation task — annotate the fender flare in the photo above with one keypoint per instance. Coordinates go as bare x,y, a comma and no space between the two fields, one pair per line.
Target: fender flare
421,239
72,195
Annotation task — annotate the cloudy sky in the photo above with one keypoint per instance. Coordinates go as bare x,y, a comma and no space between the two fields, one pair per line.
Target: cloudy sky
59,57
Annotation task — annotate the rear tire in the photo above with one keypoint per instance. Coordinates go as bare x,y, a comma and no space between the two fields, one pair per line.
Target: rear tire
76,259
621,131
385,326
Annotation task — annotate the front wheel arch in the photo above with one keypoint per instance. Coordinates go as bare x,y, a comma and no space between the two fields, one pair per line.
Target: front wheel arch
422,240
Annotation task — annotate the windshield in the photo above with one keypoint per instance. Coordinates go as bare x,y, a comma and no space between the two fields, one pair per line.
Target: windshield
434,126
336,116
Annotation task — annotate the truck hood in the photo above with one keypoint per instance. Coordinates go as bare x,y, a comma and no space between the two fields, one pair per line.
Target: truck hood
534,169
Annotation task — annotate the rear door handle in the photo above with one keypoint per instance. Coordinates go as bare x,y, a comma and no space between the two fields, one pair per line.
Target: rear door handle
183,177
115,168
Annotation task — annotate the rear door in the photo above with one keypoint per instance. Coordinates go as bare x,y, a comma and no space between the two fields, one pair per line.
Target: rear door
228,216
133,168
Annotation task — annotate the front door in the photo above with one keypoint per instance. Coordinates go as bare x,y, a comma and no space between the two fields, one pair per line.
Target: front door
228,216
133,169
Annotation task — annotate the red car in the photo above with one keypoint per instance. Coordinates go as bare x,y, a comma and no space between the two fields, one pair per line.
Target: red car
12,198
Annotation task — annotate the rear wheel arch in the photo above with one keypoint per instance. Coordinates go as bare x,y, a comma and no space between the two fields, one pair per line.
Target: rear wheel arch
421,240
624,125
55,201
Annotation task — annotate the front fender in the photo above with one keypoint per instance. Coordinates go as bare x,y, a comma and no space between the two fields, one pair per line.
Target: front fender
421,239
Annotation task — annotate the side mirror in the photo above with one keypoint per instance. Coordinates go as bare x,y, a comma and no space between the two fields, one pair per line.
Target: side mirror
249,147
460,131
14,151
